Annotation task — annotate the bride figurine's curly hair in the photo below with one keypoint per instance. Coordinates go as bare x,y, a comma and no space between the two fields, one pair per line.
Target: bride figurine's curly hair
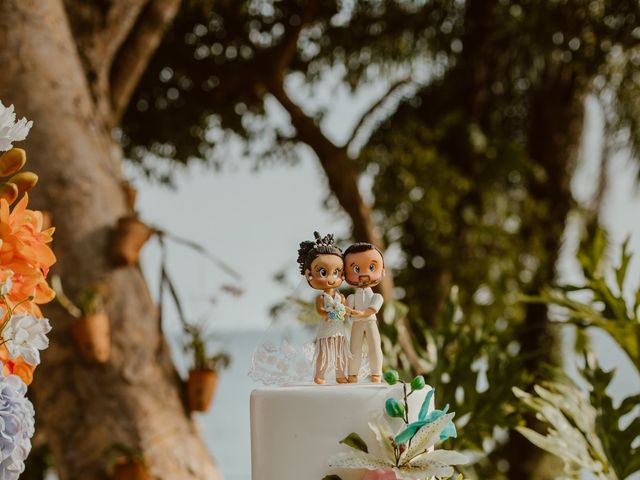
310,249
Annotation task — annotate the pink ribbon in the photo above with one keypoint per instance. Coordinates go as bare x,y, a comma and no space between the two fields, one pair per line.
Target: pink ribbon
380,475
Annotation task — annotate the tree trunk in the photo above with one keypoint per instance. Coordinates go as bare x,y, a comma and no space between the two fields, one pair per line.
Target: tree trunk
136,398
557,112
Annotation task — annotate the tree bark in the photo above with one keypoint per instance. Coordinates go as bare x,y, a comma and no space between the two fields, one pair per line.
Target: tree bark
99,30
136,53
136,398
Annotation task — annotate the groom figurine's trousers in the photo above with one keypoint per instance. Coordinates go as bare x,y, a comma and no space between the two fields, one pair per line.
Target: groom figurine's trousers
360,330
362,299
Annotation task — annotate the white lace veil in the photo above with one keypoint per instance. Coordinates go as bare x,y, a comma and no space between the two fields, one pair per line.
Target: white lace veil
284,355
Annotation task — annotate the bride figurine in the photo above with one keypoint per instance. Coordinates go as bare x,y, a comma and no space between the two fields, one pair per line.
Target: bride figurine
322,266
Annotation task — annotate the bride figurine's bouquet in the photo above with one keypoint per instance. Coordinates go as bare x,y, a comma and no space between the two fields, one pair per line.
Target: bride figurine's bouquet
25,259
336,312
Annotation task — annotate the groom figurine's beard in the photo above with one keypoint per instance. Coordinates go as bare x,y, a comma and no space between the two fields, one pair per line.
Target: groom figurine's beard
365,281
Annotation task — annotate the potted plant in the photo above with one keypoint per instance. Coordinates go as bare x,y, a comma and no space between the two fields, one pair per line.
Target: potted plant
91,330
128,463
203,376
129,237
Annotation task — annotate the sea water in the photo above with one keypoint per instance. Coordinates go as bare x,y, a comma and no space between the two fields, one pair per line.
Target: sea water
226,427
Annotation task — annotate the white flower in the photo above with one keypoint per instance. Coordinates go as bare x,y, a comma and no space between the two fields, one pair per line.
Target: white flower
6,286
416,463
16,426
25,335
572,434
10,130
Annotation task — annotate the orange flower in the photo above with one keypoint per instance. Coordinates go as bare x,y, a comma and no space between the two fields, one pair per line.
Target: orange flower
24,252
25,255
16,366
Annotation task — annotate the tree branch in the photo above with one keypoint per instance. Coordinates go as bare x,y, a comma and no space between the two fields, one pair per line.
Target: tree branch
99,29
342,176
372,110
134,55
288,48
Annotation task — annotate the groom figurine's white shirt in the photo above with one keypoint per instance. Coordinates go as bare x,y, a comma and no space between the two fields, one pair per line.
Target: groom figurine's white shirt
364,268
363,299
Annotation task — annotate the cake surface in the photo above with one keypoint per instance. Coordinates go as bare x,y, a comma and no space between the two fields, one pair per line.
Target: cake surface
296,429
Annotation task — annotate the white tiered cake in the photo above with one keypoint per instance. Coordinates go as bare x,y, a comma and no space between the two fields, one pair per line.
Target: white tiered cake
296,429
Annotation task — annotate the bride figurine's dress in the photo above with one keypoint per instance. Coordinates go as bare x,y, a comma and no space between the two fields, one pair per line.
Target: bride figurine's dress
332,344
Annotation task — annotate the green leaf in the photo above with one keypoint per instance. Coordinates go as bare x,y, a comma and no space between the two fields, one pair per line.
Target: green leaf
572,288
633,430
621,271
599,247
585,263
634,463
354,440
583,341
628,404
394,310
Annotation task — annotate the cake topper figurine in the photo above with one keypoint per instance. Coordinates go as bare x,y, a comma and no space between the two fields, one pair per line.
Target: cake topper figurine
364,268
321,264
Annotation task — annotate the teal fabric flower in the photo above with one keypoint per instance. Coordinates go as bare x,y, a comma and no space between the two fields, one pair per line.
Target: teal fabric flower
424,418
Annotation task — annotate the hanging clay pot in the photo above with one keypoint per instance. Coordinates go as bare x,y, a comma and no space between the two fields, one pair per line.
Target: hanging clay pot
201,386
131,194
128,239
92,335
130,470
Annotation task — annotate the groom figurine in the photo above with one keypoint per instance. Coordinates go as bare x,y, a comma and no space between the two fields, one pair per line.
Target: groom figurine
364,268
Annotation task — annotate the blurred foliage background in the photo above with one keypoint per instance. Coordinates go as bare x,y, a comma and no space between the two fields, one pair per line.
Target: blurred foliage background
469,154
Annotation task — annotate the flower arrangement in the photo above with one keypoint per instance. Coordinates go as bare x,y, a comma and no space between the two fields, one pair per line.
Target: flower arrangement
25,260
407,453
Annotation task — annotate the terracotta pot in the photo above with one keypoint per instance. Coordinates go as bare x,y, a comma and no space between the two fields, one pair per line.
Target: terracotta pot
131,194
129,237
92,335
131,470
201,386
